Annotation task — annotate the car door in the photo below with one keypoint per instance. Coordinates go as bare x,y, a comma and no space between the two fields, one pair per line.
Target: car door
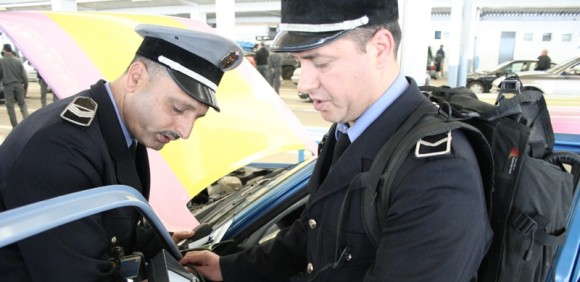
569,82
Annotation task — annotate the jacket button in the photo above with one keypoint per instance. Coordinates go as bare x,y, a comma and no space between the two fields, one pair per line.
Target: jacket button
309,268
348,257
114,240
312,223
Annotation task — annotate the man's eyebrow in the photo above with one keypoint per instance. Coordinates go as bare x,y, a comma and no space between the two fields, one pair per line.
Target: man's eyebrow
309,56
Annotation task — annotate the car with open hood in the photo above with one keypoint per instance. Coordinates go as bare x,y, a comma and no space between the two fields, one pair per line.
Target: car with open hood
269,197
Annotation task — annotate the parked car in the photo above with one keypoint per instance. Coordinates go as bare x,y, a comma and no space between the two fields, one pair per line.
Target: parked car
482,82
562,79
289,65
30,71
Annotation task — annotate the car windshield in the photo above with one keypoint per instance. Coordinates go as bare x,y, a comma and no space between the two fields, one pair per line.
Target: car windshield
559,68
501,66
221,208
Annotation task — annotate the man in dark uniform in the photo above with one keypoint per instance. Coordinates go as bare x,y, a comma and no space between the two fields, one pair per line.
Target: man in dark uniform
262,61
544,61
84,141
436,227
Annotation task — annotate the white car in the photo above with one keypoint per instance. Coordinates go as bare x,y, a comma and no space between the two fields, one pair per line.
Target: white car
562,79
295,76
30,71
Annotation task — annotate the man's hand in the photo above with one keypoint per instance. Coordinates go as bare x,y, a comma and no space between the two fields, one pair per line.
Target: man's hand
205,263
181,235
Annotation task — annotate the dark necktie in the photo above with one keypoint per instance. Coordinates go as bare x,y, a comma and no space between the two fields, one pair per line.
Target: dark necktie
341,145
133,149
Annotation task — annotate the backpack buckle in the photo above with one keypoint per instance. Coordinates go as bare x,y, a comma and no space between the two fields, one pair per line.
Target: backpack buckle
440,147
525,224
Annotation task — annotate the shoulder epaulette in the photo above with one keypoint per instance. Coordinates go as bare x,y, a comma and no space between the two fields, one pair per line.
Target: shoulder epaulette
435,145
80,111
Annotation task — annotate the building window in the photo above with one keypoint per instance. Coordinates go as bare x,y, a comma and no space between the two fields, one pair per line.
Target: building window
437,34
566,37
547,37
528,36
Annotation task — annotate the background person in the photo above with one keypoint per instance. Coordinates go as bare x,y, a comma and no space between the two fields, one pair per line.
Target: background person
13,77
261,58
43,90
544,61
439,61
168,86
275,65
436,226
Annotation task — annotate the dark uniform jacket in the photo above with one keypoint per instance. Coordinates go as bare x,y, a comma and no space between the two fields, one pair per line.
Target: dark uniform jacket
436,227
46,156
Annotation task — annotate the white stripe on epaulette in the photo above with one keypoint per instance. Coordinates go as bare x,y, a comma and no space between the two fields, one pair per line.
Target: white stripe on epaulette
422,142
77,110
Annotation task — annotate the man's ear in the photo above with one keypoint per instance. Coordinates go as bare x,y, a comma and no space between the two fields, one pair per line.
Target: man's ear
136,75
384,43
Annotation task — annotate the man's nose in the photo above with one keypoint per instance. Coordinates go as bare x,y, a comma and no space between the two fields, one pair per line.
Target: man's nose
185,126
307,82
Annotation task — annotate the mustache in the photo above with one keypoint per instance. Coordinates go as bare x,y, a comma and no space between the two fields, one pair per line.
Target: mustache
171,134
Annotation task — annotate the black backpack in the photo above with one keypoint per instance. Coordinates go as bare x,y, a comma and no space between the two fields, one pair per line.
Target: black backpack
528,188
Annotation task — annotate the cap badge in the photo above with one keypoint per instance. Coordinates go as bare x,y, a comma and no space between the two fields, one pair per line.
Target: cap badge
229,60
80,111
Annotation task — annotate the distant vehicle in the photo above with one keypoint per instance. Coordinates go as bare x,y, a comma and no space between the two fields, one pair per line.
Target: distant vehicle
562,79
30,71
289,65
482,82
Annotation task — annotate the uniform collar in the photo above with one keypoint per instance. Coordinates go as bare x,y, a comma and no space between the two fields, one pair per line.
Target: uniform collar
126,132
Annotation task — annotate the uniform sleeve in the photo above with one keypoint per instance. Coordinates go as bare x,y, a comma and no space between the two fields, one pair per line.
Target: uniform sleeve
275,261
52,164
436,227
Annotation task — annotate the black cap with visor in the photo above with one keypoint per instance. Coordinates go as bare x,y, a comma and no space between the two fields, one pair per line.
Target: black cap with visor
310,24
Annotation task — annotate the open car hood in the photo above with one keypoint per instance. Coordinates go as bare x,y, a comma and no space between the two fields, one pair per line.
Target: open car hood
72,50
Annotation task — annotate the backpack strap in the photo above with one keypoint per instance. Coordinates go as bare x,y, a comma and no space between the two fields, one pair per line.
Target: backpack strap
379,178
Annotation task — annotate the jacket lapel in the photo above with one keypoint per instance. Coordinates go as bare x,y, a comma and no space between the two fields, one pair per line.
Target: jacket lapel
360,154
125,165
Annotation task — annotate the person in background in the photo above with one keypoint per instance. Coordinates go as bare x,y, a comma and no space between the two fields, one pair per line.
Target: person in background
13,77
439,61
261,57
100,137
275,65
544,61
43,90
436,227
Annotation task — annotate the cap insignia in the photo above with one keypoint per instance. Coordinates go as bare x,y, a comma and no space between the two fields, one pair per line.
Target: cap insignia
229,60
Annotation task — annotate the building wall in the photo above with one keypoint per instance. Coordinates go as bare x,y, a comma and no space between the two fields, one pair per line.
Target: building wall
488,34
